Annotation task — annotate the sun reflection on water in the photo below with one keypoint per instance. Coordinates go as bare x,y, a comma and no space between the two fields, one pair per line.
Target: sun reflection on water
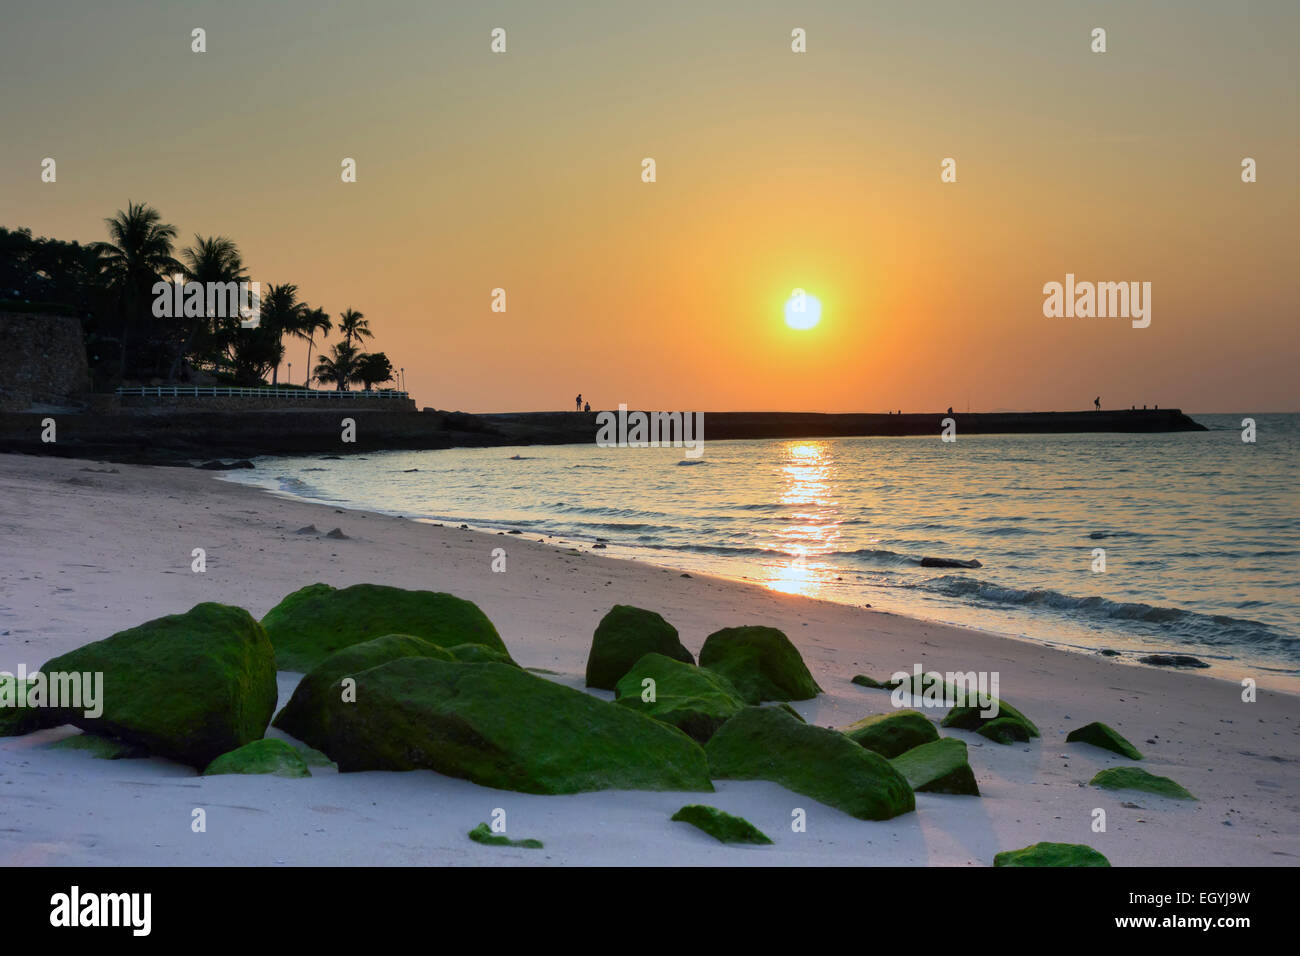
807,488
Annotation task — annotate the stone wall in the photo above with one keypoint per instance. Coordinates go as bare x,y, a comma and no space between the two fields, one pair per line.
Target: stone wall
238,403
42,361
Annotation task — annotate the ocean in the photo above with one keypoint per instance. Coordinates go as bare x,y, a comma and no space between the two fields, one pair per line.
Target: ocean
1177,543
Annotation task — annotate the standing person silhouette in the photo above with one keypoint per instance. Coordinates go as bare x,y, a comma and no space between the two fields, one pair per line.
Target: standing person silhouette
586,407
1096,402
577,403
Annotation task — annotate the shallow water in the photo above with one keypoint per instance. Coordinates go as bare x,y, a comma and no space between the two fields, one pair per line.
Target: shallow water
1201,531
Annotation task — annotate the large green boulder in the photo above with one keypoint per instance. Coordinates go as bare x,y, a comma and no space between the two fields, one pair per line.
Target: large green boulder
298,716
15,720
1099,735
498,726
1051,854
766,743
972,718
938,767
188,687
311,624
720,825
695,700
761,662
893,733
1135,778
269,755
624,636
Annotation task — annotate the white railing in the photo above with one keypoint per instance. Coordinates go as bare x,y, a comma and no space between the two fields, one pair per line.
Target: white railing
216,391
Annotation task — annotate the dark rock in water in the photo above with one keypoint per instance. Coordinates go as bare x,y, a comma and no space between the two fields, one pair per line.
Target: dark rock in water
215,465
514,532
266,756
761,662
1051,854
309,529
971,718
892,734
331,458
1172,660
938,767
596,546
1135,778
624,636
1099,735
1107,652
337,534
499,726
949,563
314,622
407,471
299,716
765,743
1004,730
685,575
188,687
483,834
719,825
692,699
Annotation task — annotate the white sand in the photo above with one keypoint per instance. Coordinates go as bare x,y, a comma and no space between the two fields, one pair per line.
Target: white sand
87,553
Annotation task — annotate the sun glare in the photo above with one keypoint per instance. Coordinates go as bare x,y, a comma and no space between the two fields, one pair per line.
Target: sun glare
802,311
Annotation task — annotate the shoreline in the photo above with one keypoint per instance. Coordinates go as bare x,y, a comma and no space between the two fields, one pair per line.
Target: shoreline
66,587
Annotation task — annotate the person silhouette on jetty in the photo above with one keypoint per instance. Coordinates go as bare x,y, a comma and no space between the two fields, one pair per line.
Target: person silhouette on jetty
949,409
577,403
586,407
1096,403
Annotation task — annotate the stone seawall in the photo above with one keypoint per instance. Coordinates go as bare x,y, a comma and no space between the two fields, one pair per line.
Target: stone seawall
43,361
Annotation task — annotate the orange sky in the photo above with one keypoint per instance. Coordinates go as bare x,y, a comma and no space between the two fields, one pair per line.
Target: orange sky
775,170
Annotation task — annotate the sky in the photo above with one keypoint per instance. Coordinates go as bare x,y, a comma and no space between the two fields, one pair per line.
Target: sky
775,170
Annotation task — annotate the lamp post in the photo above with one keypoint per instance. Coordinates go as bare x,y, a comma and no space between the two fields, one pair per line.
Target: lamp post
290,382
403,371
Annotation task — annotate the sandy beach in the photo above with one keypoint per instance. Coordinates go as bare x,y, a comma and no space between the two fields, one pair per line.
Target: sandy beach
94,548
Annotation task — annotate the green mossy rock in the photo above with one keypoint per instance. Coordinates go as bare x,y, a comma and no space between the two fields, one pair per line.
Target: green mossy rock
719,825
18,721
297,716
788,709
970,718
765,743
479,654
938,767
101,748
1051,854
694,700
1004,730
188,687
311,624
624,636
862,680
261,756
498,726
483,834
1135,778
761,662
892,734
1099,735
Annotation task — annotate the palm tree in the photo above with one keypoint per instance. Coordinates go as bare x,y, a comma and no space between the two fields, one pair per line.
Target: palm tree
282,314
138,255
313,321
354,325
214,259
371,368
339,368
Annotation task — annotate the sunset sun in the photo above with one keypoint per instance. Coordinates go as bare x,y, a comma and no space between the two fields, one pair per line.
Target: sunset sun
802,311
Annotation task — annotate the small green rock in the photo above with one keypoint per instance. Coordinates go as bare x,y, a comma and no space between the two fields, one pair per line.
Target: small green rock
761,662
624,636
1099,735
719,825
1004,730
694,700
862,680
269,755
1051,854
765,743
893,733
483,834
938,767
971,718
1135,778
